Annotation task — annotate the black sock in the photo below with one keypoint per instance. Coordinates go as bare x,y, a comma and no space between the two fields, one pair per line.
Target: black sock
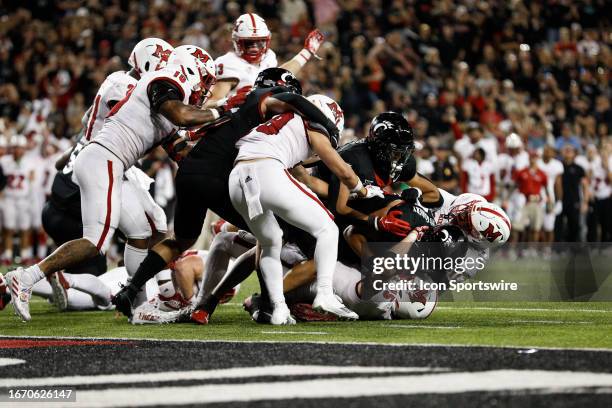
152,264
210,304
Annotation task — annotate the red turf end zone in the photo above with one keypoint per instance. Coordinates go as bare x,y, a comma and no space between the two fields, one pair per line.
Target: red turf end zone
29,343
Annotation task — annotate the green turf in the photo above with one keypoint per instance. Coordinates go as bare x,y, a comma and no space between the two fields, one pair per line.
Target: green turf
582,325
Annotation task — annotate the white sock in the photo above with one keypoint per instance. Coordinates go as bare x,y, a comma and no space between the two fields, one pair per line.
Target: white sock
41,251
26,253
8,254
91,285
32,275
272,272
133,257
326,254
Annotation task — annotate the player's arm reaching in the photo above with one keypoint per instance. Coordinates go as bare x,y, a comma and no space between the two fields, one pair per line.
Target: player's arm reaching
311,45
322,146
166,100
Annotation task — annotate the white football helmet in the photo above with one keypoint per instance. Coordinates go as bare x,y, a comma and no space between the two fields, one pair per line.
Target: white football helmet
251,37
490,224
513,141
150,55
330,108
198,67
415,304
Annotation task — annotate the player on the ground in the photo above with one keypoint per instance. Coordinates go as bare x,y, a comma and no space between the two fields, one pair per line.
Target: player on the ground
16,202
141,218
261,188
201,180
238,69
159,105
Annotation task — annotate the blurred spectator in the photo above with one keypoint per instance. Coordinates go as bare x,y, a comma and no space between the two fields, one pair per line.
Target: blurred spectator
575,197
465,73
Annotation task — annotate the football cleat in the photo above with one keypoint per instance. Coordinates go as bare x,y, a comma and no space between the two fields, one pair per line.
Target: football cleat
229,295
20,294
5,296
332,304
59,290
124,299
304,312
281,316
174,302
200,316
260,310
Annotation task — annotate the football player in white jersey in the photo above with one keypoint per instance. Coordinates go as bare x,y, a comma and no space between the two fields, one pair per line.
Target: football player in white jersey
141,218
515,159
153,111
261,188
237,69
553,169
16,215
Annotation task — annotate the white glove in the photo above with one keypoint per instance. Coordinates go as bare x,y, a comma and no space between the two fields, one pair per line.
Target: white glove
371,191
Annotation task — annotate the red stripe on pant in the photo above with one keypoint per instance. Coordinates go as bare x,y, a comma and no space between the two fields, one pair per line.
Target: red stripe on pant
109,198
298,185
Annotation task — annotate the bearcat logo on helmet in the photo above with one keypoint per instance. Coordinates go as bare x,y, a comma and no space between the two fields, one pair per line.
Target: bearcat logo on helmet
161,53
333,106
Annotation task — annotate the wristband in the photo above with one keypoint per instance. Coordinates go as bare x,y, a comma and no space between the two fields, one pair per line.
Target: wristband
215,113
373,222
357,187
303,57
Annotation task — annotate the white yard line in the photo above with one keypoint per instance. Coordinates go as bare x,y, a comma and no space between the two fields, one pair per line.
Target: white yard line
227,373
549,321
421,326
292,332
454,382
521,309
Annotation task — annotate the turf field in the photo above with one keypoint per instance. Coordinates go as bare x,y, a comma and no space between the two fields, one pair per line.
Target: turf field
486,354
520,324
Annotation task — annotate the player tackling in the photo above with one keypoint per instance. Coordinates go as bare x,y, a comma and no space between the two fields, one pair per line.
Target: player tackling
162,102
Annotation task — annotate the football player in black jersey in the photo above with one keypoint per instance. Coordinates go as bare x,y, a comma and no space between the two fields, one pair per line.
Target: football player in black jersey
202,177
382,159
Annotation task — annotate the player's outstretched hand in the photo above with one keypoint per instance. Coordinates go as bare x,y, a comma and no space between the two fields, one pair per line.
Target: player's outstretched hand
313,42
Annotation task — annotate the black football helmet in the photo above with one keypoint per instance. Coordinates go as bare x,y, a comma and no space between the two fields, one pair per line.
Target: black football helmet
391,143
271,77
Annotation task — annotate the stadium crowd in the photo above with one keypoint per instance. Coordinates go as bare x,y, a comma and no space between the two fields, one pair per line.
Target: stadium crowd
491,88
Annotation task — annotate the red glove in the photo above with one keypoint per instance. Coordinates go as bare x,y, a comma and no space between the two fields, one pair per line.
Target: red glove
313,42
390,223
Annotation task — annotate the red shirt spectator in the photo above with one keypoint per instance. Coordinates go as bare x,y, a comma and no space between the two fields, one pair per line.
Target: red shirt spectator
530,181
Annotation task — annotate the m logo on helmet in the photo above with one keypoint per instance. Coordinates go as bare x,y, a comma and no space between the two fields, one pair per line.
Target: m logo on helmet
161,53
333,106
201,55
490,234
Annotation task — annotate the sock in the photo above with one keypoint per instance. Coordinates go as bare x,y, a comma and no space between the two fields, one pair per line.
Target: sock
132,258
151,265
32,275
216,264
8,254
326,255
41,250
272,272
26,253
91,285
